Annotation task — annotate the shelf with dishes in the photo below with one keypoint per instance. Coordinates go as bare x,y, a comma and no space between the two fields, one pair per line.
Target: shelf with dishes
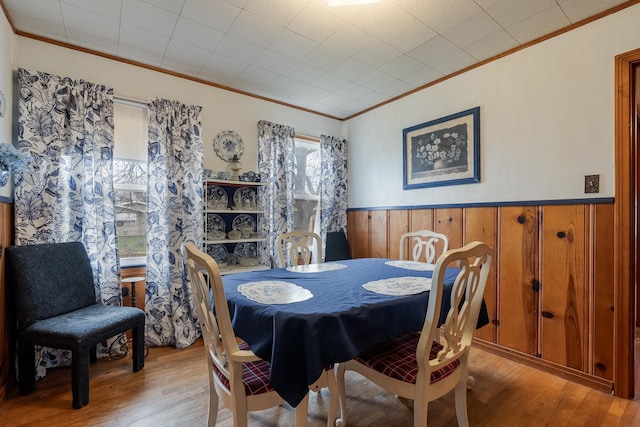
232,219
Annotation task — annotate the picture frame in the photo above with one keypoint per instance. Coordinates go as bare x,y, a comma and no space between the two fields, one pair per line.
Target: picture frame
440,152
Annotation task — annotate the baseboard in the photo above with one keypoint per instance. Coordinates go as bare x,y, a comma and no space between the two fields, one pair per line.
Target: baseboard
570,374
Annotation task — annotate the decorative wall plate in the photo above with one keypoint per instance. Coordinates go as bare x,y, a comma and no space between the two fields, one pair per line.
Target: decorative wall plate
246,250
228,144
216,223
216,197
244,198
244,221
218,253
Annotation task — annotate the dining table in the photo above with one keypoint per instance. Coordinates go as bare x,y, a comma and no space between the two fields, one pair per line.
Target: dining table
305,318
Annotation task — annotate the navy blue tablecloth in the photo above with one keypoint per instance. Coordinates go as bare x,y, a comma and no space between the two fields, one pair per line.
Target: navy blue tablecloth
341,320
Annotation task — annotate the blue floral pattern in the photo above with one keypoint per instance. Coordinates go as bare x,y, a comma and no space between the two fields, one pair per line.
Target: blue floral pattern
175,215
276,163
333,185
66,192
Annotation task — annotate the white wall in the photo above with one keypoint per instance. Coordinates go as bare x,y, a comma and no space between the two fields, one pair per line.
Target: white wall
6,86
222,109
546,120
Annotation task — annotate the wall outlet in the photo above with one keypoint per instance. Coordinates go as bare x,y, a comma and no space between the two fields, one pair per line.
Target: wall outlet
592,183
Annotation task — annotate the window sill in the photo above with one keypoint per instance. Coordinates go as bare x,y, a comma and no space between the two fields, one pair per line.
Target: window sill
138,261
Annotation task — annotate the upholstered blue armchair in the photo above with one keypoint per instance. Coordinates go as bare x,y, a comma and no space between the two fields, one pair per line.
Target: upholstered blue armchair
53,292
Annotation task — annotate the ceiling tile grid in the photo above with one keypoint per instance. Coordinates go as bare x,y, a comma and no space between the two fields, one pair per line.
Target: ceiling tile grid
336,61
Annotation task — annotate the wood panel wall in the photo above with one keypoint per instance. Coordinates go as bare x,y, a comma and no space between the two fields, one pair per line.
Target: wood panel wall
551,292
6,346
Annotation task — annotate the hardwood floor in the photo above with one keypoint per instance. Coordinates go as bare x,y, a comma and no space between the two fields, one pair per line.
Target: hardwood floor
172,390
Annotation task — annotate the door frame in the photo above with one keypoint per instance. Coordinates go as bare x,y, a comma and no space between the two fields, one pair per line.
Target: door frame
624,226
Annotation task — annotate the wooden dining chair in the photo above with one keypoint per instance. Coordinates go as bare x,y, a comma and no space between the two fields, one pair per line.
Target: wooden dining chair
298,245
417,366
423,242
236,374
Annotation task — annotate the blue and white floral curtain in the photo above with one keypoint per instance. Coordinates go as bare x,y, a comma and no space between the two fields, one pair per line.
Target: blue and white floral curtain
276,164
174,216
66,193
333,185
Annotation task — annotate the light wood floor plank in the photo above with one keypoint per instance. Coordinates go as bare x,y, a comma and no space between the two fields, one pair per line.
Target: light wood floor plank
172,390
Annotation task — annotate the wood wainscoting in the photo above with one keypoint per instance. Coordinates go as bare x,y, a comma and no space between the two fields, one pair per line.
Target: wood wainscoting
6,341
551,292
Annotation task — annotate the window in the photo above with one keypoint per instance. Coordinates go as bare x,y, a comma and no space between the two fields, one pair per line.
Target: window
130,181
306,190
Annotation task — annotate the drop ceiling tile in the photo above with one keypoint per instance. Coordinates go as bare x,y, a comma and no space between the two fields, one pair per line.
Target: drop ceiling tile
173,6
538,25
254,29
54,31
509,12
377,53
491,46
44,10
111,9
422,76
348,39
239,49
454,61
351,69
577,10
258,75
471,30
354,90
330,82
441,15
140,38
149,17
398,87
312,93
139,55
324,59
293,45
226,65
315,23
286,86
433,51
401,66
188,31
90,41
303,72
216,14
90,23
247,86
192,56
376,22
282,12
375,80
273,61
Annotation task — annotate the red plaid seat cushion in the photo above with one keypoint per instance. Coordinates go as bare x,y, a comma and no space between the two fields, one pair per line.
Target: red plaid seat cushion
255,375
397,359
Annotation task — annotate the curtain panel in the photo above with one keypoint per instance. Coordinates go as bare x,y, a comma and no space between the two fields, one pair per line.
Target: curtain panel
66,192
175,215
333,185
276,164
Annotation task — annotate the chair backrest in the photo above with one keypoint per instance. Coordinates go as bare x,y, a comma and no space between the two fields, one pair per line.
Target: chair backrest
474,263
296,245
336,246
217,331
424,242
48,280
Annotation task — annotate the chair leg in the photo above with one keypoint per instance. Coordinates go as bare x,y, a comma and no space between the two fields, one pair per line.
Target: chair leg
461,404
302,412
93,356
80,377
332,385
342,395
213,402
26,368
137,344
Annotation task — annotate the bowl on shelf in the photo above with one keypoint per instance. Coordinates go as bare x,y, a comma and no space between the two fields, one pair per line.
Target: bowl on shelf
234,234
248,261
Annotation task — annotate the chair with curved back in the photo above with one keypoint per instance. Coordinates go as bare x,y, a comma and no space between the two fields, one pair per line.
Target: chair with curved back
299,245
425,242
419,367
236,374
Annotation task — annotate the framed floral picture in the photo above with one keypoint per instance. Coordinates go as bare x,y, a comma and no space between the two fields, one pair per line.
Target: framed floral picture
445,151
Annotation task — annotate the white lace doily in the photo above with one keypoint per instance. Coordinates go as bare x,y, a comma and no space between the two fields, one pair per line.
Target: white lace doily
274,292
411,265
398,286
315,268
